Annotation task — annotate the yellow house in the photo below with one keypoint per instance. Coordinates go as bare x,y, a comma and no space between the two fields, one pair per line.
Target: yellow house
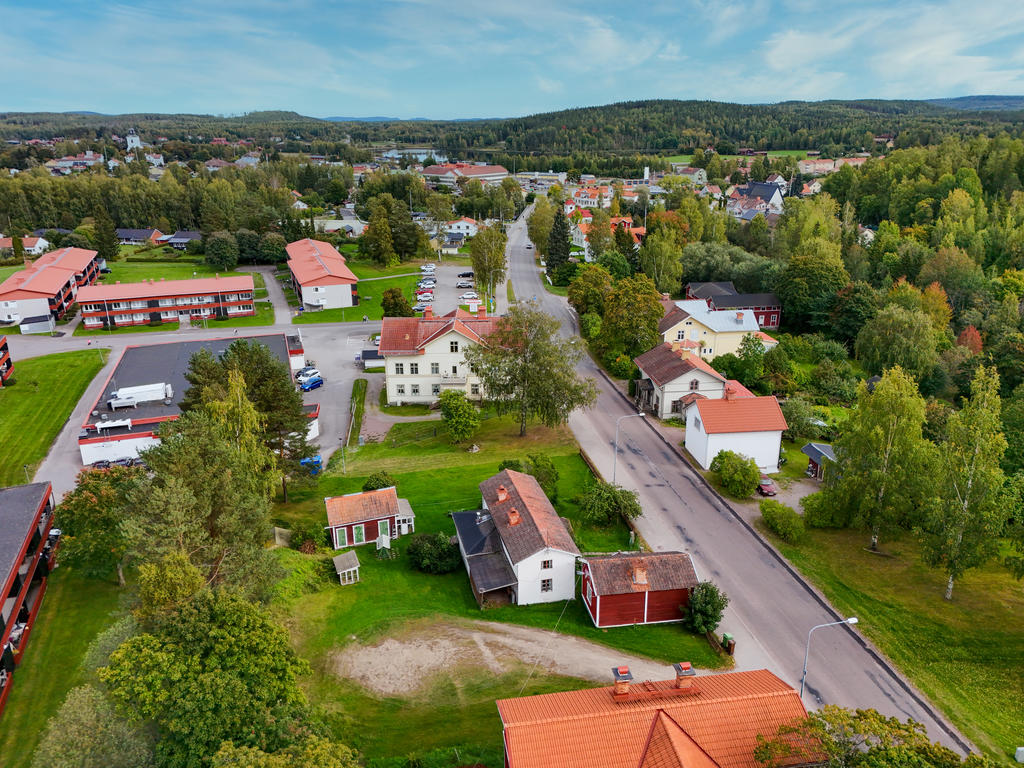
709,332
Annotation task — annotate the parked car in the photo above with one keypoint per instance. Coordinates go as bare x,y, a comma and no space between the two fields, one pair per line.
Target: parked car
306,374
420,307
529,246
426,297
428,267
464,284
466,274
469,295
426,284
766,486
310,384
305,369
376,340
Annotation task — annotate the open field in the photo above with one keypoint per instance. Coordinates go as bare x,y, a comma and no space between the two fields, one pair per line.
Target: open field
966,655
136,272
800,154
36,403
369,302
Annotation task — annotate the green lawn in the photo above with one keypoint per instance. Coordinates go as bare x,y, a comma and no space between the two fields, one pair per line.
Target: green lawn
369,302
967,655
6,272
412,409
795,467
136,272
365,269
358,408
81,330
74,610
36,403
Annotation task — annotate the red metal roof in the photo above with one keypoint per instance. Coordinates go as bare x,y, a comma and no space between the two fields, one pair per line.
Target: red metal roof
67,258
314,262
33,283
745,414
408,335
156,288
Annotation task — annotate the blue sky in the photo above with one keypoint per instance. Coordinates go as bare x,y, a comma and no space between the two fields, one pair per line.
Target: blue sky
467,58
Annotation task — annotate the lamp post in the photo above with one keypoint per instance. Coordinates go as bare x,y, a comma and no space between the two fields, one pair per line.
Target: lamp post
807,648
615,459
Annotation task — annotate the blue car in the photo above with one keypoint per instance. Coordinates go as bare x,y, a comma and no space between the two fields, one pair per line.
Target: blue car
314,383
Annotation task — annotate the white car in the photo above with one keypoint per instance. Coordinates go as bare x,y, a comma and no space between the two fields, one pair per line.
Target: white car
306,374
425,297
427,268
469,295
464,284
420,307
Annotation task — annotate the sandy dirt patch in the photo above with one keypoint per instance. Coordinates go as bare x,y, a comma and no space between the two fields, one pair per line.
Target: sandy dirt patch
402,664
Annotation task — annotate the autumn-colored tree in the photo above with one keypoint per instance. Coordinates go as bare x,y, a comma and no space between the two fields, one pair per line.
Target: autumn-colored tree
970,338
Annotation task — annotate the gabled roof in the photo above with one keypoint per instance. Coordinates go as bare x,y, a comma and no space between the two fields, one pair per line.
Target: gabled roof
746,300
36,282
314,262
672,318
819,452
667,363
28,242
707,290
409,335
762,190
720,718
158,288
751,414
720,321
539,526
136,234
75,259
361,507
614,574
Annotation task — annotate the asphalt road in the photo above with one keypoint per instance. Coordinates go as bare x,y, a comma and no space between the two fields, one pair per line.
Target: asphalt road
771,608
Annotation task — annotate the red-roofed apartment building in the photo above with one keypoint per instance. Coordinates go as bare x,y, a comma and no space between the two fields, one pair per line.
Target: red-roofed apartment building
707,721
6,366
166,301
423,355
750,426
47,287
320,277
450,173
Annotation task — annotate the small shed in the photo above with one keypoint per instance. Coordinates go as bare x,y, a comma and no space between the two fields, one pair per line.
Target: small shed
637,587
818,455
38,324
347,566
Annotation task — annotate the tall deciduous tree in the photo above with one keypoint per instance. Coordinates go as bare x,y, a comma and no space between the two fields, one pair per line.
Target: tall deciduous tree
808,284
377,240
589,290
898,337
487,253
961,531
272,248
600,238
222,251
660,260
461,418
314,752
538,224
394,304
528,369
631,316
881,476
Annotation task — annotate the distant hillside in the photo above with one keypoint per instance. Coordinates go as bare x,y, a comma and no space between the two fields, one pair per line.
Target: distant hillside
362,119
982,103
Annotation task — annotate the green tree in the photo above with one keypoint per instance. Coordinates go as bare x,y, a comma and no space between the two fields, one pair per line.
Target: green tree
558,244
90,517
222,251
487,254
631,315
377,239
707,605
394,304
882,476
660,260
165,585
962,528
539,223
313,752
18,246
378,480
958,274
898,337
855,305
543,468
528,369
750,354
1013,429
588,291
272,248
801,420
808,284
248,245
434,553
461,418
218,669
107,243
86,732
625,245
599,238
615,263
603,504
738,474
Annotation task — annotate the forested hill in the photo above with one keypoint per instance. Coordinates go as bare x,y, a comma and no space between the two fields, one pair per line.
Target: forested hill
636,127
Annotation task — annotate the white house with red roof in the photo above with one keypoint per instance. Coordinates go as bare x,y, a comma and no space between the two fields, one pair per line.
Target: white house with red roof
465,226
673,377
750,426
425,355
320,277
450,173
33,246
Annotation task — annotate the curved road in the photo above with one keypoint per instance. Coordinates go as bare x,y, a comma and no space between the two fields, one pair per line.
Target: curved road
771,608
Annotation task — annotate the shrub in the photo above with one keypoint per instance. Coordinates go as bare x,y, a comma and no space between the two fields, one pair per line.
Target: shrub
590,325
737,474
783,521
434,553
620,366
707,604
378,480
461,418
514,464
820,512
308,537
801,419
603,502
541,467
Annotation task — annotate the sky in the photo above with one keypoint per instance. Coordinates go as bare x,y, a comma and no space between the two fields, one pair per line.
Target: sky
471,58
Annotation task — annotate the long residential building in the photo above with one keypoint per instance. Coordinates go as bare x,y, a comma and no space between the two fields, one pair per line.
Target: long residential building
166,301
450,173
27,553
6,366
320,277
423,355
48,287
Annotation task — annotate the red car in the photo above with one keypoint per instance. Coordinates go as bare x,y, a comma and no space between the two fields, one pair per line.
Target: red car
766,486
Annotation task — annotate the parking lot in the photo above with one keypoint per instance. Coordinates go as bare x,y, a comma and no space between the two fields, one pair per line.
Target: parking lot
446,295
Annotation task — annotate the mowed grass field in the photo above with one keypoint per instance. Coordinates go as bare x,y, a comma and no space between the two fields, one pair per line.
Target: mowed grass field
136,272
369,302
36,403
967,655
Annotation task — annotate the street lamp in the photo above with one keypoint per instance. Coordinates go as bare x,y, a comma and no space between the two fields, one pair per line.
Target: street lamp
615,459
807,649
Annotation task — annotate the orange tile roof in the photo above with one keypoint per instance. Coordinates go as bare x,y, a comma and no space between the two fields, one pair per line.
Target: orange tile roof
28,242
409,335
751,414
716,724
156,288
33,283
314,262
361,507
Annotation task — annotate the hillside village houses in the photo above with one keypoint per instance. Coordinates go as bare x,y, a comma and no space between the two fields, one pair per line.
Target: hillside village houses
747,200
580,229
766,307
424,355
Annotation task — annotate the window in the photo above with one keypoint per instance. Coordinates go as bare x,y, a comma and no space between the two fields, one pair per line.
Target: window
680,335
547,564
435,368
590,592
775,319
474,389
454,346
358,537
414,368
546,586
435,389
696,421
399,368
400,389
415,389
694,385
383,528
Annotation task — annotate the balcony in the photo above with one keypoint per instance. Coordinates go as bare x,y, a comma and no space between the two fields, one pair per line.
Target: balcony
450,379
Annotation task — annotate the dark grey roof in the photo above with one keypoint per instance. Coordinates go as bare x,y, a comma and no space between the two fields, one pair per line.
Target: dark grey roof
490,572
183,236
134,234
707,290
740,300
34,319
761,190
18,507
488,566
818,451
58,230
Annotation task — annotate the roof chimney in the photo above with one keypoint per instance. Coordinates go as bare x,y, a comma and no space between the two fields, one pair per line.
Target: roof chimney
502,493
513,517
428,312
739,317
640,574
481,311
684,675
622,677
730,392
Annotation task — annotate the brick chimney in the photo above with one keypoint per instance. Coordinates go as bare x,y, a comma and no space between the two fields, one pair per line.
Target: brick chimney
502,493
428,312
640,573
513,517
622,677
481,311
739,317
684,675
730,392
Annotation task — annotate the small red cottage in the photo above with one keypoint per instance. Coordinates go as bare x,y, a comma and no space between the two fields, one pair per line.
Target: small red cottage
359,518
637,588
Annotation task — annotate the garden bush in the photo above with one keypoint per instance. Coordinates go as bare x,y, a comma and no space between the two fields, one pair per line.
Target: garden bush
707,604
737,474
783,521
378,480
820,512
309,537
434,553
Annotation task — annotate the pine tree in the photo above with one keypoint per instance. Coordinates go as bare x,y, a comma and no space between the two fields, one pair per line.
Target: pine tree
107,245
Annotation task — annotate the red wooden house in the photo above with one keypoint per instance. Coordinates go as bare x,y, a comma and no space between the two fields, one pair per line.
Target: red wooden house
6,366
359,518
637,588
